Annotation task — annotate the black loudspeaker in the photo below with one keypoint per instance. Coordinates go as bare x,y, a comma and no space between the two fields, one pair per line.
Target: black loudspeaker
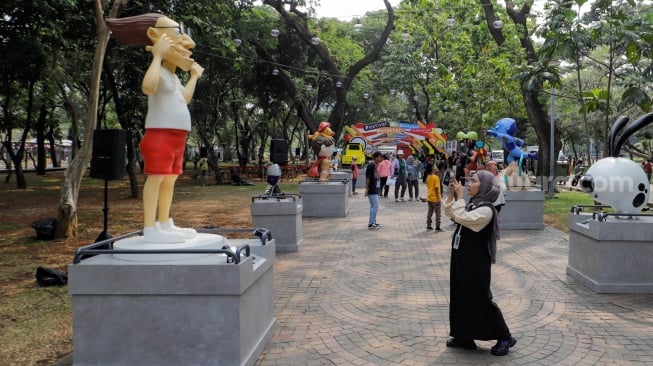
108,161
279,151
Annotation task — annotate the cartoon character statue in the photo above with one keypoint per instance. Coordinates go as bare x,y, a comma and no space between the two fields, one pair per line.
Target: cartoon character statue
324,146
273,179
504,130
168,119
619,182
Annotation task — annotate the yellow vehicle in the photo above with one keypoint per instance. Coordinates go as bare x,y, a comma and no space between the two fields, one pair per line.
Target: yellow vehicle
351,150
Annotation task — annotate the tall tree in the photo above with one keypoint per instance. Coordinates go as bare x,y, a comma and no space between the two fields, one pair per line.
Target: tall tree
299,21
533,80
67,212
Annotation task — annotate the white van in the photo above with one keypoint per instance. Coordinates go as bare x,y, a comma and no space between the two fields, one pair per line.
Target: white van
497,155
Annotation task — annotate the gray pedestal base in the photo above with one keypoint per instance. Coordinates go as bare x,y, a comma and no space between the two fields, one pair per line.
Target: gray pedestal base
614,256
283,217
324,199
343,174
524,210
198,311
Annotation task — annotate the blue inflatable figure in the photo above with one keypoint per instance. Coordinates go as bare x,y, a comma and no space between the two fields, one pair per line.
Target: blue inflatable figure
504,130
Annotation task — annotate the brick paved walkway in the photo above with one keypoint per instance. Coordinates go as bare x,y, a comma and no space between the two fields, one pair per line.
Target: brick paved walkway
356,297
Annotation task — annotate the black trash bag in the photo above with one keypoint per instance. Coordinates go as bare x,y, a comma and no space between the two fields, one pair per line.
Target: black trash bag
45,228
50,277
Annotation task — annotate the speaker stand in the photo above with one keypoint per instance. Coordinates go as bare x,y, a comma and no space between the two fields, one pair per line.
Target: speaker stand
104,235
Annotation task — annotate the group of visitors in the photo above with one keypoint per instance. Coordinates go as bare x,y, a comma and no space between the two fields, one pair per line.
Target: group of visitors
473,315
404,174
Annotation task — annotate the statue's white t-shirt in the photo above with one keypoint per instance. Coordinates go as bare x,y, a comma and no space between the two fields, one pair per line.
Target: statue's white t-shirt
167,107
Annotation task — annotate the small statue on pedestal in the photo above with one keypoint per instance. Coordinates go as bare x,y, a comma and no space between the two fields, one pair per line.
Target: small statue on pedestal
504,130
323,145
273,179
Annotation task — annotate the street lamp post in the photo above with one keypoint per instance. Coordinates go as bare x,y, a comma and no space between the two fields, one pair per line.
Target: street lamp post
552,146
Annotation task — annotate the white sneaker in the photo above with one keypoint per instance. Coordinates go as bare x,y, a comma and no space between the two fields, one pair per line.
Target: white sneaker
170,226
154,234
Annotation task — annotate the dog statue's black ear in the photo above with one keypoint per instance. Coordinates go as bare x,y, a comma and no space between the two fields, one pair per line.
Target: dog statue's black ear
639,123
617,126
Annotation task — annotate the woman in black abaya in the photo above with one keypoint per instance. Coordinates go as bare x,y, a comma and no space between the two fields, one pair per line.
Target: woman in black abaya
472,313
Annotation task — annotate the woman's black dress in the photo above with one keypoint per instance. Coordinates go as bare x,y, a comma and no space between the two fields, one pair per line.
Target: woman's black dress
472,313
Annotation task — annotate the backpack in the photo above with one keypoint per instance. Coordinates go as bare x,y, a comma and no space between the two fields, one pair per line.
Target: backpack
50,277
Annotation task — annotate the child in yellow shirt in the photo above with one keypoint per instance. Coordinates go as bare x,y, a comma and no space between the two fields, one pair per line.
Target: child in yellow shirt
434,199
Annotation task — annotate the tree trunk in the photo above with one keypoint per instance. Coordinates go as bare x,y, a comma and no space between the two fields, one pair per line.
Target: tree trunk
40,141
299,23
53,150
537,115
16,160
67,212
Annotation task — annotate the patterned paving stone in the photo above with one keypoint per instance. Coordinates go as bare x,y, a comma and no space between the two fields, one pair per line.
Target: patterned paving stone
351,296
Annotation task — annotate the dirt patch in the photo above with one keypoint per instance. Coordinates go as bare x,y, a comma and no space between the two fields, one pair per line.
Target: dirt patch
36,323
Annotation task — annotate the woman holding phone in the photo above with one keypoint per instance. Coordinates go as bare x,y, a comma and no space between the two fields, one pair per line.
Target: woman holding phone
473,314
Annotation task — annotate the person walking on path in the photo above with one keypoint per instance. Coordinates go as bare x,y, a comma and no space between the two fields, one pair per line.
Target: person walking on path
429,161
372,189
354,174
413,167
501,200
385,170
648,169
434,199
399,173
203,174
472,312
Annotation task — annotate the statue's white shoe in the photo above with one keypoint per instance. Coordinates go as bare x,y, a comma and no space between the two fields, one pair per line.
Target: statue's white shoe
169,226
155,234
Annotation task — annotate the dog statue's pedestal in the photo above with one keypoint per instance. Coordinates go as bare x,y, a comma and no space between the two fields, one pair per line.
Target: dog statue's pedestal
613,256
328,199
173,309
345,175
282,215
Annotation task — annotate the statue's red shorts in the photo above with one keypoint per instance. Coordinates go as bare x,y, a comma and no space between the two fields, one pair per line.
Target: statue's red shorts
163,150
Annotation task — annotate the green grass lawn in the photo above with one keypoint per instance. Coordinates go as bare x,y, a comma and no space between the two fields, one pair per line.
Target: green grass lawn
556,209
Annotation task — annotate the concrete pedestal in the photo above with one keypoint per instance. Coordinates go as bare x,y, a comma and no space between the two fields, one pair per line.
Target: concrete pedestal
283,217
324,199
360,183
524,209
188,311
343,175
614,256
